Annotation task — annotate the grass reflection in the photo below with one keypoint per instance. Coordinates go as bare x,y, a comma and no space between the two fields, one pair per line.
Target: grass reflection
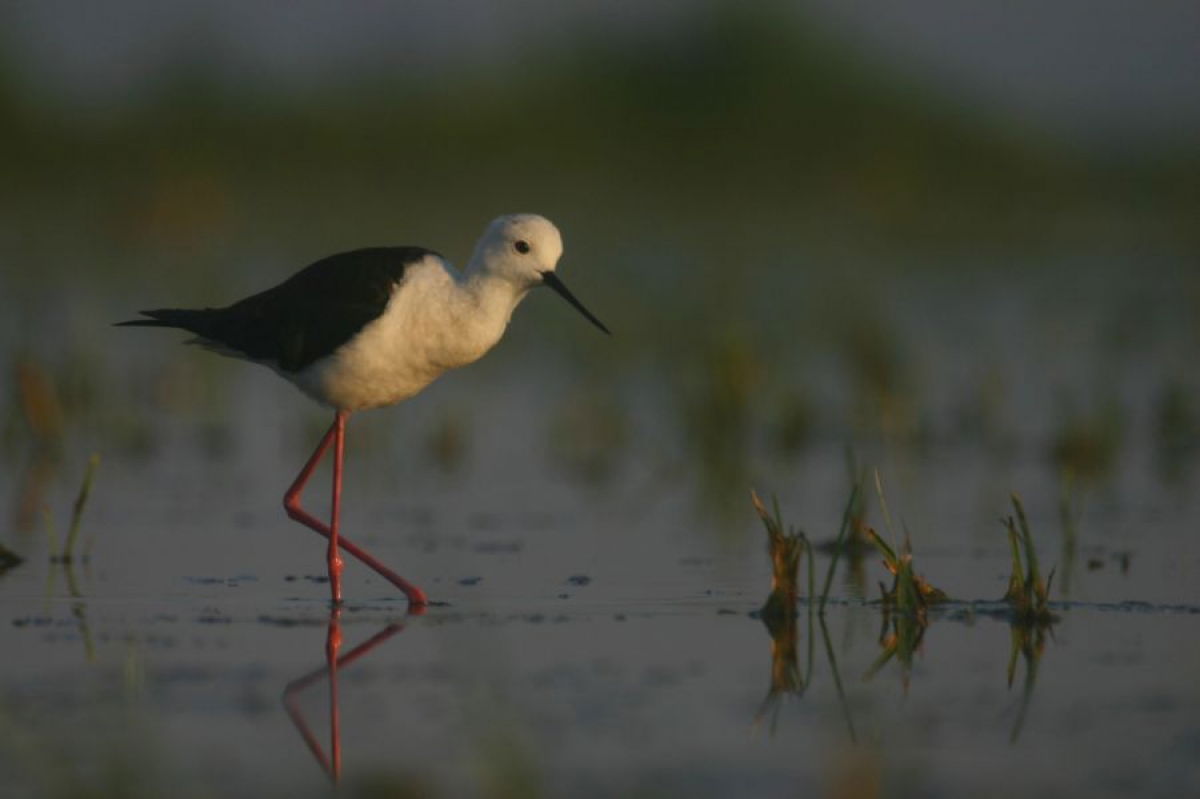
67,560
907,608
1028,641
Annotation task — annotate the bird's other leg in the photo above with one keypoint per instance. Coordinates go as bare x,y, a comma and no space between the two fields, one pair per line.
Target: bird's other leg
291,504
291,500
335,435
334,558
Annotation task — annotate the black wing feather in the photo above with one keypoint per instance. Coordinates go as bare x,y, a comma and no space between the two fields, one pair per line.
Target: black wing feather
307,316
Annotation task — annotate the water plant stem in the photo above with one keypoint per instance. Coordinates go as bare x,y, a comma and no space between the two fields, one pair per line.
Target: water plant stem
85,491
840,542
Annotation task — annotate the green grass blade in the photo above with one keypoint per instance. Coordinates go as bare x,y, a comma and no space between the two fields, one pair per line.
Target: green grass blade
85,491
881,661
1016,641
1016,582
840,543
888,553
1034,576
837,679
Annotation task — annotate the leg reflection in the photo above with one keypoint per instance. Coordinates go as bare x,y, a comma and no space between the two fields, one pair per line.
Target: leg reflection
331,762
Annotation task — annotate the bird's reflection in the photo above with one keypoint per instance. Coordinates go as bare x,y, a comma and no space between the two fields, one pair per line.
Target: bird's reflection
331,760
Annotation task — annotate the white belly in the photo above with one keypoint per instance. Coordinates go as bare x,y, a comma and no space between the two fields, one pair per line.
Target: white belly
429,326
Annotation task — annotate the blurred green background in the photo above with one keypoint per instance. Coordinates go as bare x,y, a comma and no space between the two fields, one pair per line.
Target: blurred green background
779,207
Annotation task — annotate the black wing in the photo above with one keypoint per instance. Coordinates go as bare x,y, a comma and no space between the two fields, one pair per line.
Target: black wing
307,316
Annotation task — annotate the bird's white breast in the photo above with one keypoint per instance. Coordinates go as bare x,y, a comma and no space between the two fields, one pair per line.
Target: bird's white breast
432,323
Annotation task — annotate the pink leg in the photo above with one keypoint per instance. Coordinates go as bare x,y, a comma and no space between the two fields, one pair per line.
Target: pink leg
291,503
333,557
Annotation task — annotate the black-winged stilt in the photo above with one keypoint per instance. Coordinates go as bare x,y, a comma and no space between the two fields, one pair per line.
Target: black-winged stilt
373,327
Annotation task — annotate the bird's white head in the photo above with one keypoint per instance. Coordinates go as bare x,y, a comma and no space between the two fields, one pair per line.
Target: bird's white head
520,248
523,250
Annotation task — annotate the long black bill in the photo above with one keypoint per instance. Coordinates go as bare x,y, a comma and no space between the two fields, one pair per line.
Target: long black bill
551,280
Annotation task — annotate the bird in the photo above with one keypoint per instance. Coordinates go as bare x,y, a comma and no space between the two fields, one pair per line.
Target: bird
373,327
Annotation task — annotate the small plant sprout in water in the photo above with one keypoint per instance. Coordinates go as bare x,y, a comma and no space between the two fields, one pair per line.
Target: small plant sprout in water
785,549
905,604
67,553
910,593
1028,597
779,612
904,609
1027,594
66,558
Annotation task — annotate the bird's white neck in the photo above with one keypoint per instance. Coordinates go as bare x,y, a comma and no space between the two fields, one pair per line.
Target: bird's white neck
494,297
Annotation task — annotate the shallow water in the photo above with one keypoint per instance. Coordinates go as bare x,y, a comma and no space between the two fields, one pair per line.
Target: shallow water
594,630
590,696
579,646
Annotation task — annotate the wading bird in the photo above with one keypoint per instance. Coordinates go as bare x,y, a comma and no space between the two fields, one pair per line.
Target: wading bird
373,327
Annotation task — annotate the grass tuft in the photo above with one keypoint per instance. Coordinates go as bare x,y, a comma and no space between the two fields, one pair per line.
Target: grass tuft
67,553
779,613
904,610
785,548
85,491
1028,594
904,604
910,593
1028,597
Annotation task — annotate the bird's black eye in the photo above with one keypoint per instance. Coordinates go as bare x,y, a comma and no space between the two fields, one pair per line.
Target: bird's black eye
521,246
